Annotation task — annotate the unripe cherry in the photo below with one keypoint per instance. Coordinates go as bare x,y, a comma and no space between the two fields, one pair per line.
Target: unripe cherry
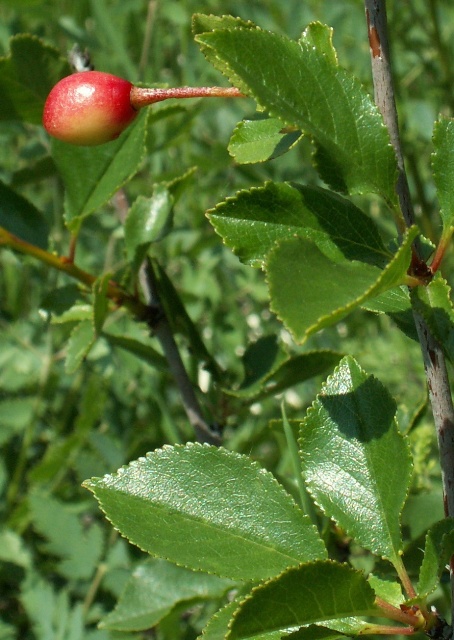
92,107
88,108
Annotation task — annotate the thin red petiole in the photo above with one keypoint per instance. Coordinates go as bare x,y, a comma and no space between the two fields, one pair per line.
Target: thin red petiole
440,251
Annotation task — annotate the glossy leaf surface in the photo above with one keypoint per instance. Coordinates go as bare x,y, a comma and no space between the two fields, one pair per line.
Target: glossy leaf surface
312,593
147,221
309,291
443,169
181,500
298,84
253,221
261,140
345,444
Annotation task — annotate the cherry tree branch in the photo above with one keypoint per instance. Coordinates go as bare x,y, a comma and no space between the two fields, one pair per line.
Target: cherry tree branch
433,357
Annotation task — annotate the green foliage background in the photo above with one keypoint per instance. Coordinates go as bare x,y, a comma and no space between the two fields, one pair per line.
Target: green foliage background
61,566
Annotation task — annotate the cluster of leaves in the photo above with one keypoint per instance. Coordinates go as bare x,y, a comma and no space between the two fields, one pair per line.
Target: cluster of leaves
85,389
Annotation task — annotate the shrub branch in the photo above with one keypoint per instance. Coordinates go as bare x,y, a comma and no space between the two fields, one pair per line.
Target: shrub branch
162,331
433,357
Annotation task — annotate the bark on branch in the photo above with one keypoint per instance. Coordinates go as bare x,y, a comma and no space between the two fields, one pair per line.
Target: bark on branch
434,360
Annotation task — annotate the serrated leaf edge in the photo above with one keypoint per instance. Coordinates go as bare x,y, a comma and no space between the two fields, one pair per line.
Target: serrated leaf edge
233,78
90,486
312,409
426,593
341,312
84,351
265,379
264,583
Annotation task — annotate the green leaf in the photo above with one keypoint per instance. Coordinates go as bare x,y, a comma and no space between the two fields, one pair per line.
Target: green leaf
13,549
181,322
309,291
316,592
49,612
438,550
91,175
140,349
16,414
62,452
346,440
7,631
434,304
392,302
253,221
147,221
218,626
269,371
320,36
21,218
443,169
202,23
396,304
210,510
80,342
298,84
389,590
154,589
260,140
57,301
77,313
314,632
78,547
26,77
100,302
34,172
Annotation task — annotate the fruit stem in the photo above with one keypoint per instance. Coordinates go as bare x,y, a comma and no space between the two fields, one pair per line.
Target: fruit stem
144,96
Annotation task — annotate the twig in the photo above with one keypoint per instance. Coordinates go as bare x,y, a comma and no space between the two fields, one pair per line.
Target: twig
114,291
161,329
434,361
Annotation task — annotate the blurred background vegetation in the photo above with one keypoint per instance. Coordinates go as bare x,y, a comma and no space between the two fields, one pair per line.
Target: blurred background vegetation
59,428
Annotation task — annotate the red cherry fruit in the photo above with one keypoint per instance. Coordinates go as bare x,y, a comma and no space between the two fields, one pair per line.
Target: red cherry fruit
88,108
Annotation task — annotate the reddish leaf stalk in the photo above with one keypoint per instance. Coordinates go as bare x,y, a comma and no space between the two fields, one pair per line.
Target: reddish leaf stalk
440,251
405,578
143,96
393,613
434,360
385,630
